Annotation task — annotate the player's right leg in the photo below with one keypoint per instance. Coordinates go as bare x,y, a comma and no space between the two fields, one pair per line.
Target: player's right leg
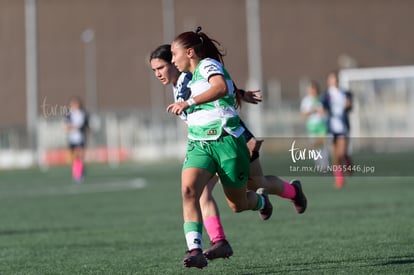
197,171
77,163
193,181
339,152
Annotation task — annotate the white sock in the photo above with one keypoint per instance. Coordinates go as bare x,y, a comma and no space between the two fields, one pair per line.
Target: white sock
263,202
194,240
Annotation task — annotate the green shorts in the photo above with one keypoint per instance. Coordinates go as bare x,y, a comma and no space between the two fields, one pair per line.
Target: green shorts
316,129
227,156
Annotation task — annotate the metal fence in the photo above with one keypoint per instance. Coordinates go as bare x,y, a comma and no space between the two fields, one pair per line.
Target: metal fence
383,109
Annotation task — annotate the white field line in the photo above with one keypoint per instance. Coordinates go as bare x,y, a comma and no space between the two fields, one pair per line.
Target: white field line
82,188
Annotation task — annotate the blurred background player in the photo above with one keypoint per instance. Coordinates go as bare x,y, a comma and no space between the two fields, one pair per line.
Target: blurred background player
338,103
76,126
316,126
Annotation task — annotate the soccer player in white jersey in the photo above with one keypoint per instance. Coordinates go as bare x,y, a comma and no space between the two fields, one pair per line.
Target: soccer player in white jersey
338,104
76,125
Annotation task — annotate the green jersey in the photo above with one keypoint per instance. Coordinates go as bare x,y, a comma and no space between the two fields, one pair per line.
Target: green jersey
207,121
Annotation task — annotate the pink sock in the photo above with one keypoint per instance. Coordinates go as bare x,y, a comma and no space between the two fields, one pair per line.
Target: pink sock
339,179
77,169
289,192
338,174
214,228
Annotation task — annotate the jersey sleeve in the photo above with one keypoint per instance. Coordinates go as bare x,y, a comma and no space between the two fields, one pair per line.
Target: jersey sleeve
85,125
349,96
324,99
67,118
210,67
305,105
181,90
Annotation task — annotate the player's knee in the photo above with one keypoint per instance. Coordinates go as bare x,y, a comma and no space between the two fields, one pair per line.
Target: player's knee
237,208
252,183
188,192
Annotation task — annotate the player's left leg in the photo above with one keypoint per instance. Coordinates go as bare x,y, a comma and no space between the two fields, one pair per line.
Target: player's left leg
78,164
277,186
338,158
220,247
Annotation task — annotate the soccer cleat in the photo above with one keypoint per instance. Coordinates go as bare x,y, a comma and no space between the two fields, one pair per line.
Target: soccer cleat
299,200
267,210
219,249
195,258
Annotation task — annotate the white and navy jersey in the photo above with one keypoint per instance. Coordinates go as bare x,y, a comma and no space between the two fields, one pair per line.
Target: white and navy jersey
334,101
181,90
78,120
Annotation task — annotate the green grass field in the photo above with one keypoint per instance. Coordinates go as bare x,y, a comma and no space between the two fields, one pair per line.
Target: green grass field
127,220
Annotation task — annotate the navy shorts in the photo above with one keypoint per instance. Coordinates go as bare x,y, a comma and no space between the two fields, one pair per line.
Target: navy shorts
73,146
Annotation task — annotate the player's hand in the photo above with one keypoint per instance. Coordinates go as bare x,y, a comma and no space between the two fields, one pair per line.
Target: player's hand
252,97
177,108
320,111
69,127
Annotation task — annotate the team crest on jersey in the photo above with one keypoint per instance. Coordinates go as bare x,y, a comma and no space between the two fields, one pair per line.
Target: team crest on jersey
211,132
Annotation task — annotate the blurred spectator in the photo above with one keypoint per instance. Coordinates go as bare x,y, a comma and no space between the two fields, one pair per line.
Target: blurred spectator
316,126
338,104
76,128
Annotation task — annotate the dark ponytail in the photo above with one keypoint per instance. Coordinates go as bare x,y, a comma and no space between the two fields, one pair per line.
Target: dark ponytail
203,45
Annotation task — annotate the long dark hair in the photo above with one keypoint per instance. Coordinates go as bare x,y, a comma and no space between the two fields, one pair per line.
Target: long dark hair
203,45
79,101
162,52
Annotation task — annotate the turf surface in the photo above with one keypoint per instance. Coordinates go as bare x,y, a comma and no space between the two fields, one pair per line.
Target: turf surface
127,220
